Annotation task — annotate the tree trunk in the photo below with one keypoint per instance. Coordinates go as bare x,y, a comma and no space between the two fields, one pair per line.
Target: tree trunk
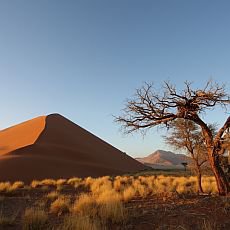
200,189
221,179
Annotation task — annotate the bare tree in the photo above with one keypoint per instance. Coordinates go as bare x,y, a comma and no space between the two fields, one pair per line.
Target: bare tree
150,108
186,135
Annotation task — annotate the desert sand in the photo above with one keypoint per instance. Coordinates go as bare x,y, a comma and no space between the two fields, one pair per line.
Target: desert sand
54,147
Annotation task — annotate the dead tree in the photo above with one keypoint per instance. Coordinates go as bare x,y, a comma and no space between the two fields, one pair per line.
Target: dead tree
186,135
151,108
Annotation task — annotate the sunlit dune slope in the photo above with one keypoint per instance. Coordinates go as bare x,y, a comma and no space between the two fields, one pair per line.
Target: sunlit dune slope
54,147
21,135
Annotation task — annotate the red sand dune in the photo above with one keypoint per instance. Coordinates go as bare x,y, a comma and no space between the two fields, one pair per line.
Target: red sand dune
54,147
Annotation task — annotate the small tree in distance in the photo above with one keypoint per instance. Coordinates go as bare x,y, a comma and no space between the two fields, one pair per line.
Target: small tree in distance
151,108
185,164
186,135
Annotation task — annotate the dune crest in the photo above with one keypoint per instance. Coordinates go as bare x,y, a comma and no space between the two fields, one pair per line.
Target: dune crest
54,147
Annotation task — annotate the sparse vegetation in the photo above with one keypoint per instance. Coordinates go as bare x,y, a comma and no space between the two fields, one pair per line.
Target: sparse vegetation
85,205
61,205
107,203
34,219
52,195
76,222
16,185
5,186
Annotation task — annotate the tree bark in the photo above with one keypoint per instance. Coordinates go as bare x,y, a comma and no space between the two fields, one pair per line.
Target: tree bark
221,179
199,176
213,155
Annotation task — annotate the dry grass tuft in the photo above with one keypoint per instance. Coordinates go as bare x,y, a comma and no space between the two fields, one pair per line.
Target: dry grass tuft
75,182
5,186
52,195
106,205
60,206
16,185
129,193
35,184
48,182
34,219
100,184
61,182
209,185
85,205
110,207
76,222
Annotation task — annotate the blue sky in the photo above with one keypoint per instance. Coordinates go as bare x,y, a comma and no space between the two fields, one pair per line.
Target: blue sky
82,59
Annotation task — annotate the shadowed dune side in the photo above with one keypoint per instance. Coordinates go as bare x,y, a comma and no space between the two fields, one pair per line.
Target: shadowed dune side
64,149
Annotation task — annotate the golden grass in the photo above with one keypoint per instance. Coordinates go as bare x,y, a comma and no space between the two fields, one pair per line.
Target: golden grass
45,182
209,185
101,202
106,205
8,187
129,193
60,206
52,195
5,186
85,205
17,185
34,218
61,182
100,184
110,206
76,222
75,182
35,183
130,186
49,182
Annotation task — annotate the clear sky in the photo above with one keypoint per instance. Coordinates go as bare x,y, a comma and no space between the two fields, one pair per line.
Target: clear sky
82,59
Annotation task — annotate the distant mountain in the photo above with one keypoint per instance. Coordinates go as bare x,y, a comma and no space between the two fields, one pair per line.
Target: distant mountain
164,159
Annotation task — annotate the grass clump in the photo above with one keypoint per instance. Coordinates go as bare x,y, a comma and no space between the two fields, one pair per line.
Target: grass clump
75,182
60,206
8,187
5,186
209,185
52,195
129,193
100,184
110,207
35,184
106,206
85,205
34,219
15,186
48,182
61,182
78,222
